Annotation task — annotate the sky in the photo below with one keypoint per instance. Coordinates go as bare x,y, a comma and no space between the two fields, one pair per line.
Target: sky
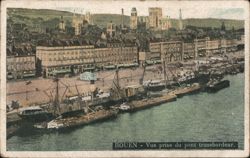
189,10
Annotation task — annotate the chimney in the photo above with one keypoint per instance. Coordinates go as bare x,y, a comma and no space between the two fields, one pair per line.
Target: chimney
122,17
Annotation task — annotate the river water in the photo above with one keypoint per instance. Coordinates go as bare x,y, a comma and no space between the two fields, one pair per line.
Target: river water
199,117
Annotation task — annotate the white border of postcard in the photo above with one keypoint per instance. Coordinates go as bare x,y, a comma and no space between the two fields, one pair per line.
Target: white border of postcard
167,153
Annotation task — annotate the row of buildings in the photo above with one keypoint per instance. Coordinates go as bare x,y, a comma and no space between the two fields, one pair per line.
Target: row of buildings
56,60
171,51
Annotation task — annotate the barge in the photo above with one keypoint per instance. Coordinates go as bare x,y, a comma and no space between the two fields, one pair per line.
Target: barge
62,123
187,90
34,114
216,85
150,102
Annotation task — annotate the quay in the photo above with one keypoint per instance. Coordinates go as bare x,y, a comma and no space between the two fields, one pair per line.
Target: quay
78,105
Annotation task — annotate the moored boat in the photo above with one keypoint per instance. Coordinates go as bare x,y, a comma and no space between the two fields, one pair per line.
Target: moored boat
35,114
187,90
124,107
62,123
216,85
154,85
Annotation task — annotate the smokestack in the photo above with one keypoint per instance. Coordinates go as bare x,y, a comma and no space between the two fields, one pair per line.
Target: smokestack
122,17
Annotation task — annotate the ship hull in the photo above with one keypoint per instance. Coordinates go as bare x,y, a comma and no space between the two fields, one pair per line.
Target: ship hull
72,122
155,88
218,86
189,92
37,117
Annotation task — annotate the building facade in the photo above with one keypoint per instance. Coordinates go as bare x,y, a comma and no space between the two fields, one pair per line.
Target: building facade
188,51
115,56
77,23
155,14
143,21
133,19
62,25
228,45
77,59
149,58
213,47
170,51
62,60
111,29
20,66
165,23
200,47
88,18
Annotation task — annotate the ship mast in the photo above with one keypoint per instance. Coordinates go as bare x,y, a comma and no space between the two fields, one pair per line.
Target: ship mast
165,75
117,79
143,74
116,83
56,100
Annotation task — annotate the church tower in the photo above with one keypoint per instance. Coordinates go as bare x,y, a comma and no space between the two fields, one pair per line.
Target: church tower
62,24
133,19
180,20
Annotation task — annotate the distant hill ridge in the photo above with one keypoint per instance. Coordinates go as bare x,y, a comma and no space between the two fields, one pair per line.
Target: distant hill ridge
102,19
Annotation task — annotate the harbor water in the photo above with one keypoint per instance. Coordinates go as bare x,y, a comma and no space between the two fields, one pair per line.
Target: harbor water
203,117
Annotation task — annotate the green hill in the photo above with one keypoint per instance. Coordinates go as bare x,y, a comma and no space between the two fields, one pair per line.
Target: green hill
29,16
210,22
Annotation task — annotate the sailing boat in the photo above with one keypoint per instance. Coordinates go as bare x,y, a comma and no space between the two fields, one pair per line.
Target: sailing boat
75,115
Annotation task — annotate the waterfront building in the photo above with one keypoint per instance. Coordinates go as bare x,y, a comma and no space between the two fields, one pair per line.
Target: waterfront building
155,14
188,51
20,66
213,47
171,51
111,29
76,59
228,45
200,47
115,56
149,57
65,59
133,19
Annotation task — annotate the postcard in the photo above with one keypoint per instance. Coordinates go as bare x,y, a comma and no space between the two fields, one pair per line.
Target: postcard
124,78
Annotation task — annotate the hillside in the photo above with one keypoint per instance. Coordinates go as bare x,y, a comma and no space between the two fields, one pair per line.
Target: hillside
29,15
